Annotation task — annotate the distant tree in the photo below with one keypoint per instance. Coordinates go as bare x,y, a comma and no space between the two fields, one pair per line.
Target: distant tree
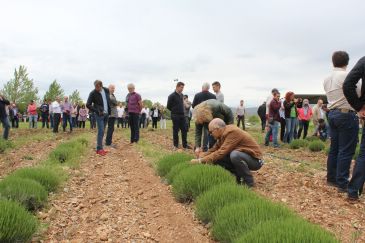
75,98
20,89
54,90
147,103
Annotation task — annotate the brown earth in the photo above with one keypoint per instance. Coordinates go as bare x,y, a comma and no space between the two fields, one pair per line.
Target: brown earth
30,153
118,198
304,189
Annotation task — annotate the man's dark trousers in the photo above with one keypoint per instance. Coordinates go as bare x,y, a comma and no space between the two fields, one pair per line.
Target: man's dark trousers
344,138
134,125
358,175
56,121
178,124
110,131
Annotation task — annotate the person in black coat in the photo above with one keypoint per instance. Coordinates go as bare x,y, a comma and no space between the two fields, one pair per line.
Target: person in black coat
261,111
203,96
175,104
4,116
356,184
99,103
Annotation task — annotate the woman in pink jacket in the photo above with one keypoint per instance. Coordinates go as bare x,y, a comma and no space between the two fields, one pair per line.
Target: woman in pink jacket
304,115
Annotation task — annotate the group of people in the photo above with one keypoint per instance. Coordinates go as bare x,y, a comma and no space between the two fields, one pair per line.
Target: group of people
219,141
292,116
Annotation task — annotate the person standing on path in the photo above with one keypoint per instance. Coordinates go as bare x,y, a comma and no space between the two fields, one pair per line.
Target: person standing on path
134,107
352,94
113,116
67,109
155,113
240,115
4,117
304,116
273,120
217,90
82,116
45,114
99,103
187,112
32,114
261,112
343,123
14,116
291,116
163,118
56,109
175,104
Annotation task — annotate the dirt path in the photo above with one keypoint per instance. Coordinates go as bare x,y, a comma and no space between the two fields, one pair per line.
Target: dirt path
304,191
118,198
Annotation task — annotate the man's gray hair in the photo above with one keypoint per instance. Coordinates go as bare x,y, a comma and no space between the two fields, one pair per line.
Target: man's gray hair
206,86
131,86
218,123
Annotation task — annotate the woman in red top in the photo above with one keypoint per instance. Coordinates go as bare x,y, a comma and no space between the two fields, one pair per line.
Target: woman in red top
304,115
32,114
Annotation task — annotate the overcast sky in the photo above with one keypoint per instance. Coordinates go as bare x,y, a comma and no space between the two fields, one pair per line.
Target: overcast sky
249,46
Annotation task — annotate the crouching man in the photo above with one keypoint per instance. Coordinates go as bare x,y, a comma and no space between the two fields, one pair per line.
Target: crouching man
235,150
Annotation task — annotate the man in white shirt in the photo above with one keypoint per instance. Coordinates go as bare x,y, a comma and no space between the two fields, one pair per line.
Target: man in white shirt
343,122
57,111
240,114
120,111
217,90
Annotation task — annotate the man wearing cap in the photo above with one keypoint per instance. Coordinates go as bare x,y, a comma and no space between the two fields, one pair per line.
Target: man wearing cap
235,150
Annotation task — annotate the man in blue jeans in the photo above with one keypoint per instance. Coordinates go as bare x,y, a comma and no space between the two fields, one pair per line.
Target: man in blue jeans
343,122
4,117
351,92
99,103
273,120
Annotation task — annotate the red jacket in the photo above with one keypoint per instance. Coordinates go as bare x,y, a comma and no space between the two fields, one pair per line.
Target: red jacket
303,117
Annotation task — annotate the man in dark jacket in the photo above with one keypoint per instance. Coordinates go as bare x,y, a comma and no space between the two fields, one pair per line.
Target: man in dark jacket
356,183
261,111
4,117
175,104
203,96
99,103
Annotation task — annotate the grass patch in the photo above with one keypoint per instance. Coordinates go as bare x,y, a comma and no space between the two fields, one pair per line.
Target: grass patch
298,143
165,164
69,153
193,181
45,176
4,145
288,230
16,224
210,202
175,170
237,219
316,146
27,192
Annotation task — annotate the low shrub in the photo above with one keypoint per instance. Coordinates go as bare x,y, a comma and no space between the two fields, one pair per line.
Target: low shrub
45,176
287,230
165,164
175,170
213,200
27,192
312,138
5,144
298,143
16,224
316,146
254,119
236,219
69,152
193,181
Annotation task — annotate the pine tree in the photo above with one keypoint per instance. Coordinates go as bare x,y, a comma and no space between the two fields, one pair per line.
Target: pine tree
75,98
